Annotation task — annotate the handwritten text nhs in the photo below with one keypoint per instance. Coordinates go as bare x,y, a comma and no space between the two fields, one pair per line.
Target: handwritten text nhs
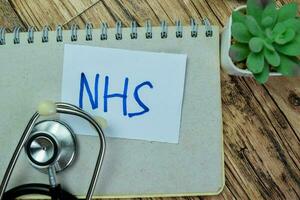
91,89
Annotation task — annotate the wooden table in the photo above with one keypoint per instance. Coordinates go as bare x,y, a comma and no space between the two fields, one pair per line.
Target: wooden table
261,122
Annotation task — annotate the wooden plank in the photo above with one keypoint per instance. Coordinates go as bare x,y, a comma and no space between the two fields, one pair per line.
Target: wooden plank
8,17
254,151
174,11
284,134
199,9
111,11
140,11
159,11
286,93
40,13
95,15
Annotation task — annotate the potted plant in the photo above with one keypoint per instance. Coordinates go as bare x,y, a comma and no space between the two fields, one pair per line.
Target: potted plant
261,40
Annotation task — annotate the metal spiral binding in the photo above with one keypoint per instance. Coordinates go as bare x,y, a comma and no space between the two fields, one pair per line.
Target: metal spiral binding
30,38
16,33
164,29
148,27
2,36
133,34
89,33
104,31
45,37
74,28
103,34
208,32
119,30
179,29
194,28
59,35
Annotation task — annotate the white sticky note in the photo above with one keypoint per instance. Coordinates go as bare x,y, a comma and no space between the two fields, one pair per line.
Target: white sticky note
139,93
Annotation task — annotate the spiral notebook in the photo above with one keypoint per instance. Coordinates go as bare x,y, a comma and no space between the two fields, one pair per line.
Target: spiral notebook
31,71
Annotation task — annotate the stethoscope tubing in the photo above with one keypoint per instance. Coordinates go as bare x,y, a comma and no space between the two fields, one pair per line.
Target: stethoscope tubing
17,152
63,108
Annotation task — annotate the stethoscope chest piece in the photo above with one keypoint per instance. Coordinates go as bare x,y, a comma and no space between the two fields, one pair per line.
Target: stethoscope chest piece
51,143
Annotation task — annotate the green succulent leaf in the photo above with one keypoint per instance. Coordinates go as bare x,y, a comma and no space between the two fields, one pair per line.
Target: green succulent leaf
287,11
253,26
278,29
272,57
239,52
269,46
288,66
240,32
269,33
293,23
269,15
285,37
237,16
263,76
256,44
290,49
256,7
267,21
255,62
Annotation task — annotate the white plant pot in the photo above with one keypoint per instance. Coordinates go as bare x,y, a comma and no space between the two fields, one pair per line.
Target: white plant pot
226,61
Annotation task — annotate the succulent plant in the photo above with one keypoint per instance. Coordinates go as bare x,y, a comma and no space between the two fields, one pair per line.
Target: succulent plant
266,38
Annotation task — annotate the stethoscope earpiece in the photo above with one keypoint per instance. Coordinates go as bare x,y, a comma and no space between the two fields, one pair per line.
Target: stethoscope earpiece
51,147
47,108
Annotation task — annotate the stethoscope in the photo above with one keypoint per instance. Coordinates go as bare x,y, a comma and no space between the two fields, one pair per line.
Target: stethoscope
51,147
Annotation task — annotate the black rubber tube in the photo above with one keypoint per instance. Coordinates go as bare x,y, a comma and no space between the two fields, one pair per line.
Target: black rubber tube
37,188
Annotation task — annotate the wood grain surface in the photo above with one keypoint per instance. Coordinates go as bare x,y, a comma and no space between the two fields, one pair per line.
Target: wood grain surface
261,122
